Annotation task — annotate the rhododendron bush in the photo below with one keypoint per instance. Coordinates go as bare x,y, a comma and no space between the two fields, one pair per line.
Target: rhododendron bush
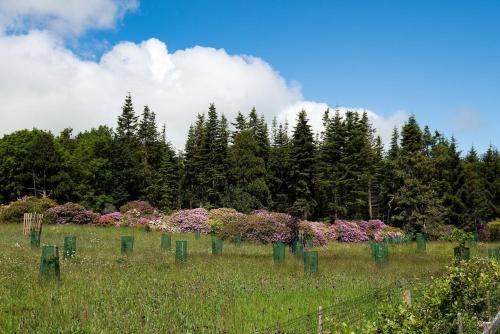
109,219
260,226
318,232
190,220
71,213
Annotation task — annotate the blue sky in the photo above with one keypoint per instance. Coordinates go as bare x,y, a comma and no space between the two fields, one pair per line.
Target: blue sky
439,60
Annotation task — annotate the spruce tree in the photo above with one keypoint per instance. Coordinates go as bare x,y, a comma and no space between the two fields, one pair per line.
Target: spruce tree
127,121
302,166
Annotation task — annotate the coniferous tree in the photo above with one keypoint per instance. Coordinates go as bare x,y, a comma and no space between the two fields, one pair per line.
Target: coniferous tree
279,167
127,121
417,204
302,166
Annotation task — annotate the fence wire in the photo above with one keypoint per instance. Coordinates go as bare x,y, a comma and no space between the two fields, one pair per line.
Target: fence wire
345,312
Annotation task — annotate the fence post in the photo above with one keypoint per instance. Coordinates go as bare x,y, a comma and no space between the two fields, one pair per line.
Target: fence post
407,297
493,326
320,320
459,323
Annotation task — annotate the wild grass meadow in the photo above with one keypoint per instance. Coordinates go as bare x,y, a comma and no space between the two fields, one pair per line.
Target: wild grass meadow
241,291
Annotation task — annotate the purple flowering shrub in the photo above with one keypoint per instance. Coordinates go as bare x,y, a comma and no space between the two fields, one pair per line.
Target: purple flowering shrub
143,207
190,220
371,227
348,231
280,222
317,231
72,213
257,228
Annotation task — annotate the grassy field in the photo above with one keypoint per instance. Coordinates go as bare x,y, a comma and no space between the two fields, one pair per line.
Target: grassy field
241,291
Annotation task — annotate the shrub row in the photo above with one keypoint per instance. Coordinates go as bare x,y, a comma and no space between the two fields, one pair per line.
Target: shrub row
259,226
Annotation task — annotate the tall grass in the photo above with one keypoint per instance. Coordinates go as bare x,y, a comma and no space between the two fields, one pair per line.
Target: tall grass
102,291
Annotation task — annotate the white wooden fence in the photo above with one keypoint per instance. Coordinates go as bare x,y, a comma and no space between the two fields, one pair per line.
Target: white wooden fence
32,221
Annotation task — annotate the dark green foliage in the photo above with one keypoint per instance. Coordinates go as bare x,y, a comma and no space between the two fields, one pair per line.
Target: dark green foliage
14,212
435,311
303,167
420,184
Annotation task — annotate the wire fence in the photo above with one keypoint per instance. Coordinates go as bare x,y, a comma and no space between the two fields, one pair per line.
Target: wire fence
344,313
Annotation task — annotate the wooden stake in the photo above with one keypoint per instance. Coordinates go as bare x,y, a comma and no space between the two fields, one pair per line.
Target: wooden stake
320,320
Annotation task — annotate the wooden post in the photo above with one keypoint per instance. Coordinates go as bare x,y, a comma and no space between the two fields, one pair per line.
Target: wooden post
488,305
320,320
407,297
459,323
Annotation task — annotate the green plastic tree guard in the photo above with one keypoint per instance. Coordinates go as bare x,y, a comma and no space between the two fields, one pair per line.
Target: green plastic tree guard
166,241
494,253
237,240
181,251
69,246
421,243
279,252
127,244
298,248
373,245
35,238
381,254
197,235
310,262
49,263
216,246
461,253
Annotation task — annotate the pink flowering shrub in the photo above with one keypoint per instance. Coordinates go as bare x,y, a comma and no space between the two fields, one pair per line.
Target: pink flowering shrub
71,213
221,213
109,219
190,220
143,207
263,229
348,231
316,231
162,224
266,227
371,227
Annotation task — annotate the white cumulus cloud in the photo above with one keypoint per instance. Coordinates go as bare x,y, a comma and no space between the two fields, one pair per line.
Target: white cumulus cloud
45,85
64,17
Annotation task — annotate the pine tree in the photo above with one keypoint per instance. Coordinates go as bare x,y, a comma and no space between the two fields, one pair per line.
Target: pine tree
247,172
417,204
127,121
490,172
331,169
302,163
279,167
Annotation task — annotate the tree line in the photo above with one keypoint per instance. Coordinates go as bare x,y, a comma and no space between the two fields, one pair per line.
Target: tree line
343,172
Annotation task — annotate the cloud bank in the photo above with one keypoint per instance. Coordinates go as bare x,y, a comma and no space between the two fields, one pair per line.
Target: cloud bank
63,17
45,85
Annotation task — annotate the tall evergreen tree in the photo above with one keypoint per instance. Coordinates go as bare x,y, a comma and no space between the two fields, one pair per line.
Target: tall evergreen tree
302,166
